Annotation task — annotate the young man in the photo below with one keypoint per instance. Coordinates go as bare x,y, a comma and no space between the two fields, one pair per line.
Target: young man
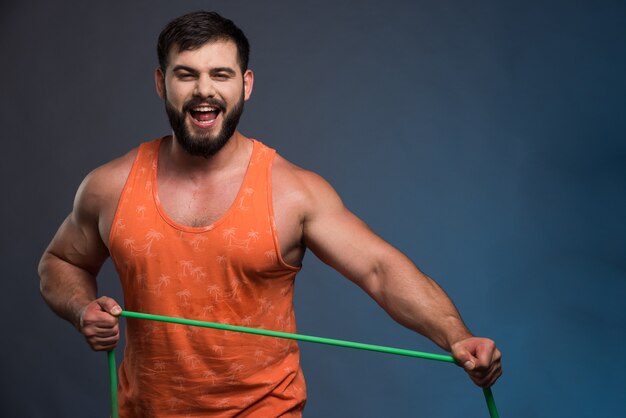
211,225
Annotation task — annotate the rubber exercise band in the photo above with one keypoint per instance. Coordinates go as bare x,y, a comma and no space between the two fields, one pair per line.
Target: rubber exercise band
491,404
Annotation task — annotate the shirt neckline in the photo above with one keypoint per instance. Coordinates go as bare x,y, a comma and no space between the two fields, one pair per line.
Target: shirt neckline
218,221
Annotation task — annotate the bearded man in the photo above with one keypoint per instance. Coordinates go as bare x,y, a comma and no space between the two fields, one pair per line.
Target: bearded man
208,224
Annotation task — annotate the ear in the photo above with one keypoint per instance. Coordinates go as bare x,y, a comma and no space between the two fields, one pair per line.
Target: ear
159,81
248,82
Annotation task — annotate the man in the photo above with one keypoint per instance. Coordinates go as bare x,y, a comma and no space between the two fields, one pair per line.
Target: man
209,224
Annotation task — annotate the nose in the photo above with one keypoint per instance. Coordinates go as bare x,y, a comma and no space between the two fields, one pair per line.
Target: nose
204,87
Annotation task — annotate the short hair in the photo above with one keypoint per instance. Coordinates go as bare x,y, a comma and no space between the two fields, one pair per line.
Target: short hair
195,29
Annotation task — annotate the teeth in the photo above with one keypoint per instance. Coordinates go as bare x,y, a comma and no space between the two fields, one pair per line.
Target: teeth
205,109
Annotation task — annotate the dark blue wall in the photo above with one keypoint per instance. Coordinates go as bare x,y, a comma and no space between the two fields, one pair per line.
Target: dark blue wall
486,140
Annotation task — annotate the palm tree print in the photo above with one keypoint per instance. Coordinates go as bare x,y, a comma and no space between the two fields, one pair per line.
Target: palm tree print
195,243
218,350
198,274
187,266
247,193
244,243
150,329
229,234
192,362
285,291
180,381
234,370
163,281
223,403
151,236
141,211
271,255
173,402
214,290
234,292
265,306
206,310
119,225
141,281
184,295
159,366
209,374
268,360
283,321
180,355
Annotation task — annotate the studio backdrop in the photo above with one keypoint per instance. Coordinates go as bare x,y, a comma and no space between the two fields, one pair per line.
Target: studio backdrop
486,140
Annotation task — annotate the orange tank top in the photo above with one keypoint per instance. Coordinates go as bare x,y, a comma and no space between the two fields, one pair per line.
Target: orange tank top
230,272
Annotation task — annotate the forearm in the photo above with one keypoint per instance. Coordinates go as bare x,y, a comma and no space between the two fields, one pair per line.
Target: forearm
66,288
416,301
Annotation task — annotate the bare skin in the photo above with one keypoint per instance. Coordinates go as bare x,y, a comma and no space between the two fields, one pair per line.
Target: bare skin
196,191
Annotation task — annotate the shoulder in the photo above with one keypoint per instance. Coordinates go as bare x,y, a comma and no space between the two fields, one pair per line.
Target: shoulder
302,188
103,185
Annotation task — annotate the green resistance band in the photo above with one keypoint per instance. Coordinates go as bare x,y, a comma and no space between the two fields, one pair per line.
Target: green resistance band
491,404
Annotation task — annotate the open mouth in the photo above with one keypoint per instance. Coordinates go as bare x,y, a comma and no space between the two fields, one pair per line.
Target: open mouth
204,115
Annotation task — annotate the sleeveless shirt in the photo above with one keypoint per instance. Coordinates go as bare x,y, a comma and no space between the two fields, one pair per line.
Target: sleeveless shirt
229,272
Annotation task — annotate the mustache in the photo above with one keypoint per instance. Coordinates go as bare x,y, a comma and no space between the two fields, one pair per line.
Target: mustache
197,101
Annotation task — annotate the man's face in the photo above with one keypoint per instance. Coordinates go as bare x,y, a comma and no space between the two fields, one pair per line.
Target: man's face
204,92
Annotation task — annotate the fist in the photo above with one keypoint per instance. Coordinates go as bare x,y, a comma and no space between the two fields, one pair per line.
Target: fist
480,358
99,323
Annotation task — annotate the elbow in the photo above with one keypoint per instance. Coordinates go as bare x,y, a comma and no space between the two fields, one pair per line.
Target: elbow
43,270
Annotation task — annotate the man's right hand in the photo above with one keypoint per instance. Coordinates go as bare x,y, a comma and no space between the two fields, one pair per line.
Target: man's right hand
99,323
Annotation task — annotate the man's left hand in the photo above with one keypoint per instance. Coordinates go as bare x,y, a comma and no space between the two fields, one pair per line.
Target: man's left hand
480,358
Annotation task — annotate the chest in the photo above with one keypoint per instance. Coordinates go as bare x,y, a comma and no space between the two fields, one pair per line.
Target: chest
198,204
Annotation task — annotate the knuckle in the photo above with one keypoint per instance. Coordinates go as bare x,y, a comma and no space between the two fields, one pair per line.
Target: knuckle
87,319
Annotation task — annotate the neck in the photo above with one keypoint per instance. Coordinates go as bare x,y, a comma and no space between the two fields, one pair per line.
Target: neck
174,159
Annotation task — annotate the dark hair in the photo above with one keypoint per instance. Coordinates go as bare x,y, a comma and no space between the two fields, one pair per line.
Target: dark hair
193,30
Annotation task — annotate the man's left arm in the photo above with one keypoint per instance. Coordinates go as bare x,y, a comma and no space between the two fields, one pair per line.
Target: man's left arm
409,296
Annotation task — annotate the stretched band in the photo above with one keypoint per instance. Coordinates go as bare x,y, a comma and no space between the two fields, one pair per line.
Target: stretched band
491,405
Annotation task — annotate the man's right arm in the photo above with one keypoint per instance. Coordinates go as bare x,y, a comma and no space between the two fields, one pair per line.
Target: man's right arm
69,266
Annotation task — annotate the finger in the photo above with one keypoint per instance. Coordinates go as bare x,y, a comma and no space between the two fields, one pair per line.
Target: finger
103,343
482,373
99,319
490,378
103,340
106,332
104,346
98,333
497,356
466,360
495,362
109,305
484,354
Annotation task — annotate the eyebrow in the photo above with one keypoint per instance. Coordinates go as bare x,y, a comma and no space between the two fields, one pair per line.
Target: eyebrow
184,68
227,70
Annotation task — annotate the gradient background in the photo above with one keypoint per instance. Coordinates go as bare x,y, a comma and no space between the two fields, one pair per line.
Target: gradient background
485,139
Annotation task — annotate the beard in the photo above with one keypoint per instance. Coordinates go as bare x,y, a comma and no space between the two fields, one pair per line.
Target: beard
203,145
